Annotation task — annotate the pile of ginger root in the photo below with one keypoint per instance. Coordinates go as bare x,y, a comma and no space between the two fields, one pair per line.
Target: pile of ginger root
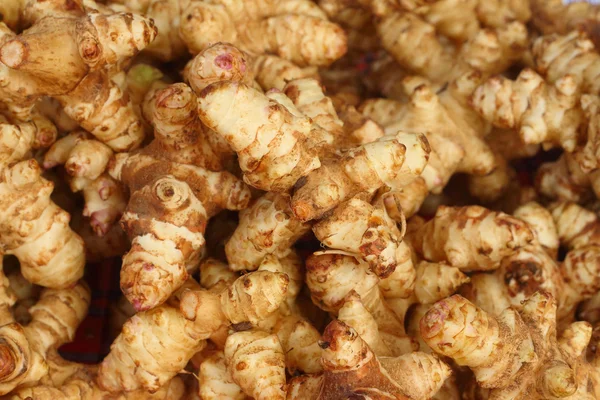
305,200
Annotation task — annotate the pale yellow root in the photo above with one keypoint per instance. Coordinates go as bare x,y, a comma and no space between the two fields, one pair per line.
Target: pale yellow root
426,113
215,382
393,160
354,314
351,368
515,344
213,271
555,16
179,135
258,28
249,299
358,227
300,343
572,54
563,179
577,227
162,244
470,238
588,155
82,44
36,230
274,165
256,362
401,282
84,388
497,12
54,320
519,275
414,45
332,277
160,341
166,14
18,140
541,221
531,106
435,281
219,62
274,72
168,238
267,227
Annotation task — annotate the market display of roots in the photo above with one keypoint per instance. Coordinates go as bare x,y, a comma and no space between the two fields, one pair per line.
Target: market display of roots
312,200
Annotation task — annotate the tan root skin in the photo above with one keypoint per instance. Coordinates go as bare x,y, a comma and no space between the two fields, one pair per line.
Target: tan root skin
256,362
241,115
85,160
82,45
394,160
514,352
531,106
177,183
172,336
471,238
260,28
54,320
358,227
268,226
36,230
351,368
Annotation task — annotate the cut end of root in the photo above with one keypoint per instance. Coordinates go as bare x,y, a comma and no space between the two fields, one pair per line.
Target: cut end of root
7,362
302,210
14,53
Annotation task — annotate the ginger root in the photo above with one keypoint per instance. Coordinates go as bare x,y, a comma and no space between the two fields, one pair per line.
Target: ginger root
470,238
521,353
19,139
394,160
283,158
352,369
256,362
54,319
268,226
172,336
531,106
358,227
215,381
180,173
556,56
36,230
81,44
85,160
332,277
271,28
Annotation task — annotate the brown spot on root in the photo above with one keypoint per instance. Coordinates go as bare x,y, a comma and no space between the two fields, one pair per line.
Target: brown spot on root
242,326
247,283
292,92
523,277
241,366
373,248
